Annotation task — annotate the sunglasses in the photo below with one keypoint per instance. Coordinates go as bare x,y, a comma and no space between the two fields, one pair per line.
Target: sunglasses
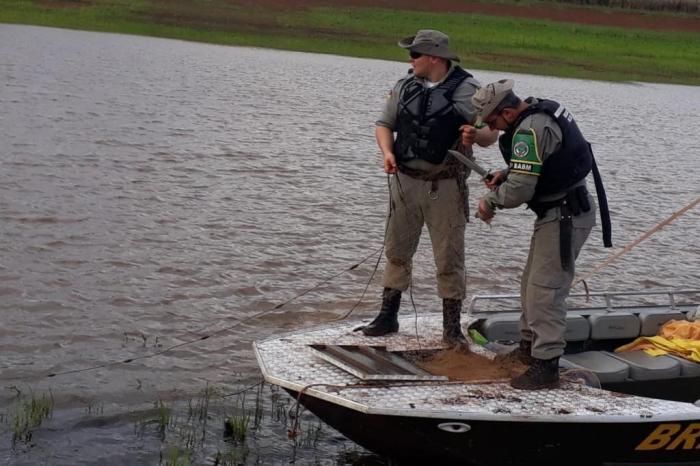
414,55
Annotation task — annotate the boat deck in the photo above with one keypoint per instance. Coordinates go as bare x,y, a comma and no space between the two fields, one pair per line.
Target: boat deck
287,360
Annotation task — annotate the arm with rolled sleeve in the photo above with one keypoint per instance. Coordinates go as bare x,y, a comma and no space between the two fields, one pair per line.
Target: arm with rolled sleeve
462,98
385,126
390,111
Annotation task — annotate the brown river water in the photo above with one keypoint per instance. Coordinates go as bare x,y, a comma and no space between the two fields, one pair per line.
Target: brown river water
153,192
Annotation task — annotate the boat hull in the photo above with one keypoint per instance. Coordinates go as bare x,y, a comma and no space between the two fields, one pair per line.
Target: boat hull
483,422
417,440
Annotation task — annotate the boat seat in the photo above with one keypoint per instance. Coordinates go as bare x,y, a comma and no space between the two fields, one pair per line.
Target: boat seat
505,328
652,320
645,367
502,327
688,367
577,328
614,325
605,367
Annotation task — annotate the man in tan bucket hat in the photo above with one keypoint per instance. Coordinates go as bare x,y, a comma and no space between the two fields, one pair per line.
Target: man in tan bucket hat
548,162
429,42
430,111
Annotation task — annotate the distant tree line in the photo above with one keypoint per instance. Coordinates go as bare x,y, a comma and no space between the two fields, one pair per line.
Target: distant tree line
680,6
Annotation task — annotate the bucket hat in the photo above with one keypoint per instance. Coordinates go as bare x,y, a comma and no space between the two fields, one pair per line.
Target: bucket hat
429,42
486,99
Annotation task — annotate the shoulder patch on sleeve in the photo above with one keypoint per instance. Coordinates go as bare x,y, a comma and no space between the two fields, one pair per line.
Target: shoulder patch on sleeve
526,157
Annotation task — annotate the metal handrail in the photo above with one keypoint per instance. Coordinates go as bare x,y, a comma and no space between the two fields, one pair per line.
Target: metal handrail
609,296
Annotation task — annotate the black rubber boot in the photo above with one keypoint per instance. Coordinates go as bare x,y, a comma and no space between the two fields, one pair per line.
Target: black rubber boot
544,373
387,320
521,354
451,327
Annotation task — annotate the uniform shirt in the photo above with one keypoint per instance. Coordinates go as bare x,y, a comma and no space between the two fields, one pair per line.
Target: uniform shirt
519,188
462,99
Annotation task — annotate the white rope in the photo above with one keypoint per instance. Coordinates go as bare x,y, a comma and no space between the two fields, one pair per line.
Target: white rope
629,246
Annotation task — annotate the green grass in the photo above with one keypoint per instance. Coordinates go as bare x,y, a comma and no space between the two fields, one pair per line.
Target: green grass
173,456
28,413
236,426
211,428
539,47
674,6
484,42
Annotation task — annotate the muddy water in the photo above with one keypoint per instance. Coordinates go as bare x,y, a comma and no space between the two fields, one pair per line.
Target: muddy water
153,192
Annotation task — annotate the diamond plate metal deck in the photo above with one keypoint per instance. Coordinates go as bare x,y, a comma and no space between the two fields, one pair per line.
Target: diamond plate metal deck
286,360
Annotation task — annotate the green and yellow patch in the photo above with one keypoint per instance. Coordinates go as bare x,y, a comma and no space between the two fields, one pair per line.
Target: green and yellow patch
526,156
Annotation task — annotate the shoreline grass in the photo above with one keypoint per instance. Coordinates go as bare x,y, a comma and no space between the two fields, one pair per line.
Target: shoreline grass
29,413
495,43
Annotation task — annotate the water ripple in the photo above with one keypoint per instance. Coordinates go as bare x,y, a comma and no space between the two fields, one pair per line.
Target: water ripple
185,192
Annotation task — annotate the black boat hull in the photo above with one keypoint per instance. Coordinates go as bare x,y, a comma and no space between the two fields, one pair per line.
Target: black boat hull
419,440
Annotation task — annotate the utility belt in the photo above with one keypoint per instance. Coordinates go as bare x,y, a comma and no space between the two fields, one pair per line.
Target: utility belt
453,170
576,200
421,175
573,204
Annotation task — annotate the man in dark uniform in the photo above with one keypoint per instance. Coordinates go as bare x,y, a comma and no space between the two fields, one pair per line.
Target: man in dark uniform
548,161
430,110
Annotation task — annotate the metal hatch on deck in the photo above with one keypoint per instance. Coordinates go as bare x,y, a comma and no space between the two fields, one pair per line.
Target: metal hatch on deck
372,363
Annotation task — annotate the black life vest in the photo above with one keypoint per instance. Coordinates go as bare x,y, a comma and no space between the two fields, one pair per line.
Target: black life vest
565,167
427,123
